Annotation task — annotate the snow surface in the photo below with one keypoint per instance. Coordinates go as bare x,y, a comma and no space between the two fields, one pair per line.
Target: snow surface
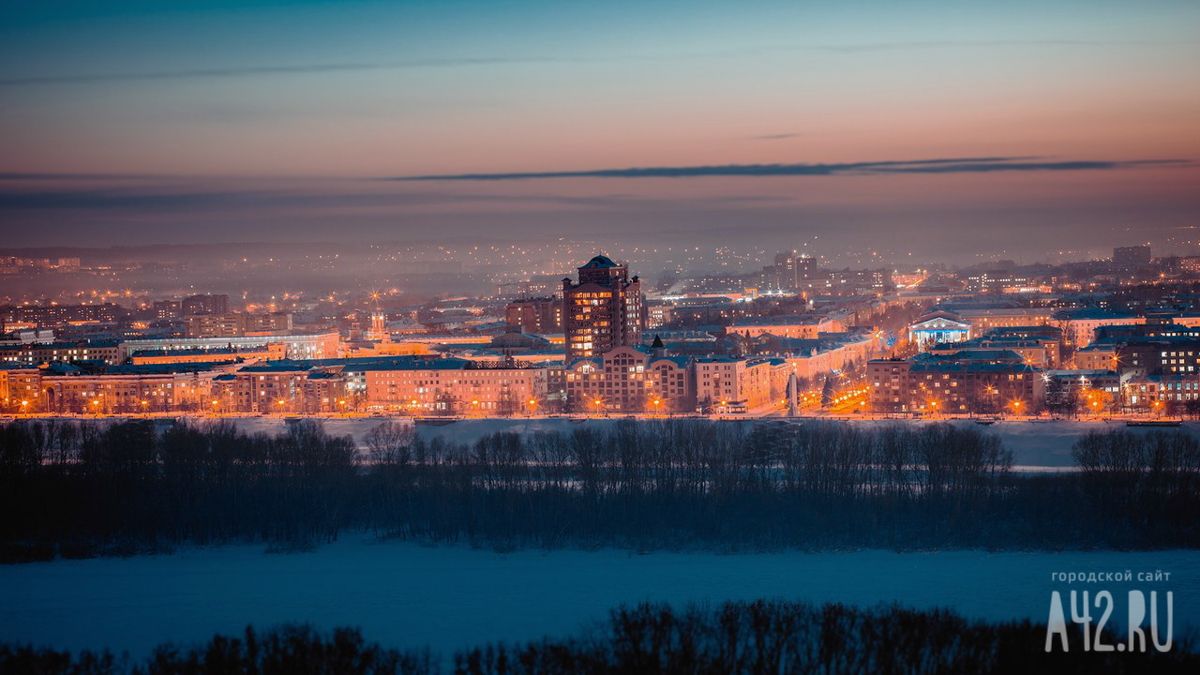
404,594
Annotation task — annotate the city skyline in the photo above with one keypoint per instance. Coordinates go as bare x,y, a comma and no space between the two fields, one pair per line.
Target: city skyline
939,129
408,336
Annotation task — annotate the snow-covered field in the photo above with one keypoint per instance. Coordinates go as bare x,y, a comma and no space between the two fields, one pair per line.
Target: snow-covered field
404,594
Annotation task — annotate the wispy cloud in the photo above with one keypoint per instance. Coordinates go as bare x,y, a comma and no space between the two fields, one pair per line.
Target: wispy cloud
497,60
951,165
37,176
252,71
774,137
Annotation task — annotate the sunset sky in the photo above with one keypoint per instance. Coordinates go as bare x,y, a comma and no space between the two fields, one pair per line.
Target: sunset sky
1069,125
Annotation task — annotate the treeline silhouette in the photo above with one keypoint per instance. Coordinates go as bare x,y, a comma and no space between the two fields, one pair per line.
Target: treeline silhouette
83,489
732,638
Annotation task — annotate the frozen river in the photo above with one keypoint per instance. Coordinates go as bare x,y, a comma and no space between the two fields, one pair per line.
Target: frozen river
404,594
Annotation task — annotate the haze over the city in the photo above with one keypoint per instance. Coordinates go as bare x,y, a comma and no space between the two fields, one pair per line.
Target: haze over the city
946,130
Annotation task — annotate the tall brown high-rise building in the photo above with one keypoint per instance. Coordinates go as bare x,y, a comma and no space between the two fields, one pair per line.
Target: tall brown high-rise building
603,311
205,304
791,268
535,315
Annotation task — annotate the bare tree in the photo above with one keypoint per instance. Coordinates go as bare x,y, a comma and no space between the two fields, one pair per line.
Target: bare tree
390,443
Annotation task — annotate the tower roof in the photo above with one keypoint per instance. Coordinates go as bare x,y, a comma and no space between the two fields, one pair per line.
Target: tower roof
600,261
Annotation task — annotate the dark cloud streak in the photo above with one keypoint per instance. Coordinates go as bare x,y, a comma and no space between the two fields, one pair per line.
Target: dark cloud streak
941,166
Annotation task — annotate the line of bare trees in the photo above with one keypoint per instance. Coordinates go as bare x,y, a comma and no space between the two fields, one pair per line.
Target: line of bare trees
78,489
731,638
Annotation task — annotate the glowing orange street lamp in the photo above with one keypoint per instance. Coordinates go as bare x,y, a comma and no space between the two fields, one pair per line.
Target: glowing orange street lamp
1016,406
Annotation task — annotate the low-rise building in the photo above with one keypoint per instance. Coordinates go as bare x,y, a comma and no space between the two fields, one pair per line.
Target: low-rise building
68,388
232,324
20,388
984,381
725,384
449,386
792,325
1042,353
1083,391
938,327
631,379
1079,325
321,346
220,355
1100,355
986,319
36,353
